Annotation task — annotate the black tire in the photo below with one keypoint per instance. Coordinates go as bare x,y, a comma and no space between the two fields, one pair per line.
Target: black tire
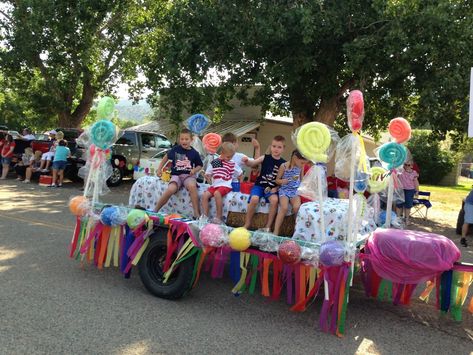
116,178
151,273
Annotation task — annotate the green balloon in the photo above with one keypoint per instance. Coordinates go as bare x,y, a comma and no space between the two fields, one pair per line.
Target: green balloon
105,107
135,218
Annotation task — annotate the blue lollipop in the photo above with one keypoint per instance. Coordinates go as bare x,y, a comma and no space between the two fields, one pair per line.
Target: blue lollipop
394,154
103,134
198,123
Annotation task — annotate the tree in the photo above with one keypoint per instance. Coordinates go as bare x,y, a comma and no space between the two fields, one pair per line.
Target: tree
77,48
410,58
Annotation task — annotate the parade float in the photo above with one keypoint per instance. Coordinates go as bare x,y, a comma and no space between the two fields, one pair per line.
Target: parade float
327,244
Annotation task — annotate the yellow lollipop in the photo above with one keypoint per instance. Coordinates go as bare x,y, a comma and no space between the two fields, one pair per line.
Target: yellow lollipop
377,181
313,140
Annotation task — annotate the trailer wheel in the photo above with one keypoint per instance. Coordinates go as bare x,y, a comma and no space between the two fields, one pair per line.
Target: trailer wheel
151,272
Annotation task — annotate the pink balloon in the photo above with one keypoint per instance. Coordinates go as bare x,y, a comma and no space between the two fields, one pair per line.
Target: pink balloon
212,235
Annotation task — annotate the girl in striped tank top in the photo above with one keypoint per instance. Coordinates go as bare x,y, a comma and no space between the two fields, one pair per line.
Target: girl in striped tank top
289,178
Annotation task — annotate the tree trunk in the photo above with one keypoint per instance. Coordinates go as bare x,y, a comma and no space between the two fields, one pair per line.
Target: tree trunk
328,110
68,119
300,118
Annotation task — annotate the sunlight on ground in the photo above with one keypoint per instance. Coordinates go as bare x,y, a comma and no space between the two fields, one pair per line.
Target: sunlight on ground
366,347
7,254
138,348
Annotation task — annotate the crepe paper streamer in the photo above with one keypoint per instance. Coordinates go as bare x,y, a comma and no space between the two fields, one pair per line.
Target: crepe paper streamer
313,140
105,107
211,142
343,304
244,259
400,129
377,179
186,251
393,154
355,110
103,245
103,134
198,123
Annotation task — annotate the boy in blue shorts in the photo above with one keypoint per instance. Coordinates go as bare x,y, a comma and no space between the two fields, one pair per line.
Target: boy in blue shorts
60,162
265,186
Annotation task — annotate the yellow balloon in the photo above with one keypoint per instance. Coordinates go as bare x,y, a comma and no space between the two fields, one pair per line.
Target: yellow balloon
239,239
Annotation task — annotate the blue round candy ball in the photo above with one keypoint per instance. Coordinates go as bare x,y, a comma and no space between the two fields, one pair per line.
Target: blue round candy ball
382,217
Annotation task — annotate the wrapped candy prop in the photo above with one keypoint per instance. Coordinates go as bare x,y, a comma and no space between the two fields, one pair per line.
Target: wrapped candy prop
113,216
239,239
289,252
212,142
309,186
331,253
136,218
310,256
265,241
212,235
79,205
399,129
355,110
313,141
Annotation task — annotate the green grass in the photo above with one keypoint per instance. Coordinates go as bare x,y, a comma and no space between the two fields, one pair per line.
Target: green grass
449,197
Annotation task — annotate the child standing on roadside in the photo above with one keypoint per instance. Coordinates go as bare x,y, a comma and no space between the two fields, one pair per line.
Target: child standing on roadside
289,178
60,162
410,185
186,164
221,171
7,155
265,185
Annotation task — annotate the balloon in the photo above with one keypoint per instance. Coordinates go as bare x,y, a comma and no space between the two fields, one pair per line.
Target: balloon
377,181
105,107
331,253
136,218
239,239
198,123
113,216
289,252
400,129
313,140
355,110
103,134
211,142
212,235
393,154
79,205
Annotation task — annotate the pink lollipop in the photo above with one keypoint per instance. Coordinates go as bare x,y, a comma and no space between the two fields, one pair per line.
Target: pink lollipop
400,129
355,110
211,142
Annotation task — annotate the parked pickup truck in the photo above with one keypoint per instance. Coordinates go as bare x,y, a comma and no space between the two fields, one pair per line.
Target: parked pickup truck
128,150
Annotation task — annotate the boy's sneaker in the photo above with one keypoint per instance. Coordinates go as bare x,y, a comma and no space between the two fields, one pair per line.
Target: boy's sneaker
52,185
26,181
44,170
463,242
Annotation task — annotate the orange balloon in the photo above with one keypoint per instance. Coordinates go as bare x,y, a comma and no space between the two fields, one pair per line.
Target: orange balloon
79,205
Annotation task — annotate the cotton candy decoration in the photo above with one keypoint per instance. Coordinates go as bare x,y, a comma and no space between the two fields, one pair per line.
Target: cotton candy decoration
331,253
355,110
212,142
198,123
289,252
400,129
212,235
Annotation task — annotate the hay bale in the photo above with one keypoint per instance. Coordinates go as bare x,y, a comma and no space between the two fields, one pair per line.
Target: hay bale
236,219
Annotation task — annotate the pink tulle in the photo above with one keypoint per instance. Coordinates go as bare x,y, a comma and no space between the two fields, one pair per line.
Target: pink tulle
410,257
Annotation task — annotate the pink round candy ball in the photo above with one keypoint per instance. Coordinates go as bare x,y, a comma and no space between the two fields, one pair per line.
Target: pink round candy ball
212,235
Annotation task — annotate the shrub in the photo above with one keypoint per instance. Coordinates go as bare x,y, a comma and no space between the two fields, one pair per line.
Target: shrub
434,163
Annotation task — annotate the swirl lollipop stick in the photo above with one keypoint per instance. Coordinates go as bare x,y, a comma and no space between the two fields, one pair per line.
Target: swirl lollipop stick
313,140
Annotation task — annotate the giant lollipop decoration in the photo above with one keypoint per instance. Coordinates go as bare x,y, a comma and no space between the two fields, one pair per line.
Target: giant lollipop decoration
101,137
211,142
393,154
313,140
355,110
376,183
198,123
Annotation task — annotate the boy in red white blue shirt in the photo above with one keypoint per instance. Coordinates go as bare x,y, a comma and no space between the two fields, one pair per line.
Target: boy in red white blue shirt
221,172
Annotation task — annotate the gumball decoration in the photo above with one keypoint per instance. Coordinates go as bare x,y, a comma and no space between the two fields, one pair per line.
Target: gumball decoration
239,239
103,134
355,110
198,123
211,142
79,205
331,253
212,235
289,252
113,216
105,107
136,218
400,129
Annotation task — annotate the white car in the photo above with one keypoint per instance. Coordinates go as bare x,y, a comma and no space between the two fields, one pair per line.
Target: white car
148,167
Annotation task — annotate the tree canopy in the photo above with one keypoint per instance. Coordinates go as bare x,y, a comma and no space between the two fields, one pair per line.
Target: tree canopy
410,58
61,54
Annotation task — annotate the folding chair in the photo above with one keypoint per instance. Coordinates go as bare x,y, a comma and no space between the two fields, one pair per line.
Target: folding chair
421,202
